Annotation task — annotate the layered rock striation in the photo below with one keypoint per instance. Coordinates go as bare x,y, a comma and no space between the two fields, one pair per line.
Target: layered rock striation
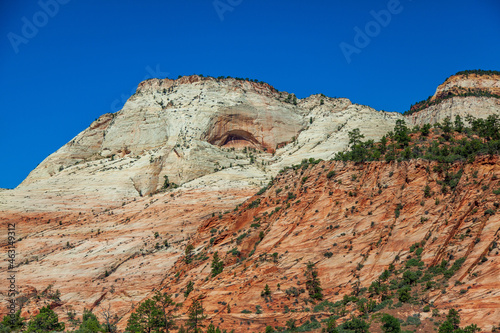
94,220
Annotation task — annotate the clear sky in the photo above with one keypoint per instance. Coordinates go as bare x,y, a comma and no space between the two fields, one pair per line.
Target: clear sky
63,63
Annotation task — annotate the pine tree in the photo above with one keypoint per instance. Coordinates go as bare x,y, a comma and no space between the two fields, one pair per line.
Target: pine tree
90,323
12,323
390,324
331,326
452,324
459,124
217,265
147,318
401,133
164,302
355,137
313,283
266,291
196,317
189,289
290,325
189,253
46,321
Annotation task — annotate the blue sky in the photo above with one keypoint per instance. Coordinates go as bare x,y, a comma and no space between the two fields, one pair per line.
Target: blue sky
81,59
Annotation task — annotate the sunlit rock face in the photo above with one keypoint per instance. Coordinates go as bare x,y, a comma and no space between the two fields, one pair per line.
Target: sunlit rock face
93,218
476,106
194,127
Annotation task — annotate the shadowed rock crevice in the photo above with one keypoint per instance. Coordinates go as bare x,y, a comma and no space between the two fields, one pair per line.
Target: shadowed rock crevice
236,129
236,139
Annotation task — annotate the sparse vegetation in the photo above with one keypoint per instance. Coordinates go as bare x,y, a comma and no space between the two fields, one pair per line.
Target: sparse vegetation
452,324
482,137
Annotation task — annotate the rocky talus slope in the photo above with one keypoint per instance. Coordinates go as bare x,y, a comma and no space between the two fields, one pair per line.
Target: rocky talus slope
93,221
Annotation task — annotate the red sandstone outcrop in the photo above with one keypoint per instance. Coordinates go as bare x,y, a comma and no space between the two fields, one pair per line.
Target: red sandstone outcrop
114,256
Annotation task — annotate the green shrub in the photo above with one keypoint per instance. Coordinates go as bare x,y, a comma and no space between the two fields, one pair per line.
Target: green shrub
356,325
270,329
427,191
254,204
262,191
414,262
489,212
45,321
390,324
454,268
326,306
404,294
331,174
413,320
12,323
410,277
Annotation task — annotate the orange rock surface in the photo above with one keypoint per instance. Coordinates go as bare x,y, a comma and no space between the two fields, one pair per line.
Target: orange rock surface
108,258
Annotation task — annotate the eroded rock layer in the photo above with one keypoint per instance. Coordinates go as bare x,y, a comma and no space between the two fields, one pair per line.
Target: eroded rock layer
101,221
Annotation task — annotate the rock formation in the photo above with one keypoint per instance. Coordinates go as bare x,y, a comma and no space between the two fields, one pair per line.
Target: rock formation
192,127
448,102
94,222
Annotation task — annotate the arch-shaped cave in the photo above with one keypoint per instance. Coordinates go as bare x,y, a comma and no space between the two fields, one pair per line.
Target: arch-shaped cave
235,138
